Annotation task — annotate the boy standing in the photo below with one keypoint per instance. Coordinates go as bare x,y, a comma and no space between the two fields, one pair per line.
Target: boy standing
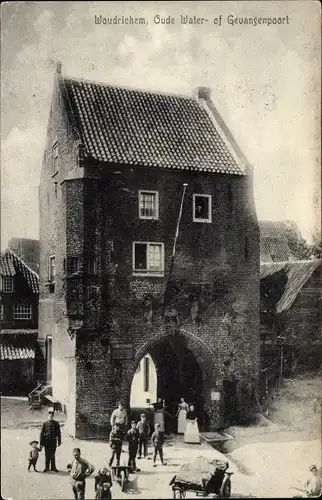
158,441
133,438
103,485
33,455
116,437
144,431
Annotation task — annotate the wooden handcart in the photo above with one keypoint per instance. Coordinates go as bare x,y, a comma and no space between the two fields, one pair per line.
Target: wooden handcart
203,477
120,474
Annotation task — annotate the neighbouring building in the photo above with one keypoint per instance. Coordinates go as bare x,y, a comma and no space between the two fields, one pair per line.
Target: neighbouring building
112,187
27,250
20,356
291,314
274,245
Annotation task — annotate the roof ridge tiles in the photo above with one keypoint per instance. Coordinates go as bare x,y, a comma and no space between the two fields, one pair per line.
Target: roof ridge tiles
131,89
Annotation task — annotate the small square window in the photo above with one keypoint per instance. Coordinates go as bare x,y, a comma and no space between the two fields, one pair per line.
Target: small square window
7,284
55,159
202,208
52,269
148,258
22,311
148,205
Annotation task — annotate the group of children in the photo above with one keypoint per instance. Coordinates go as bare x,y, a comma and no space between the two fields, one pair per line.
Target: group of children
138,438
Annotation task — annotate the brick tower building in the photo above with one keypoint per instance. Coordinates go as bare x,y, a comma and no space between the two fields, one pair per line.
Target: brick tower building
121,168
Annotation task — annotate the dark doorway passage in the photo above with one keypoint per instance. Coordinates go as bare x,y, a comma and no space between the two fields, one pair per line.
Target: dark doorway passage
230,401
178,376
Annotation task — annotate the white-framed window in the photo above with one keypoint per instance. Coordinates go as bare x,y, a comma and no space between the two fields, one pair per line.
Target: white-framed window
148,204
54,158
148,258
22,311
52,269
7,284
201,206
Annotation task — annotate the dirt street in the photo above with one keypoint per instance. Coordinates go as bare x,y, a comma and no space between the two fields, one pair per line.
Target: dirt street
269,459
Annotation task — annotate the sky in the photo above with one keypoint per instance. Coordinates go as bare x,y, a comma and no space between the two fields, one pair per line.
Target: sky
264,80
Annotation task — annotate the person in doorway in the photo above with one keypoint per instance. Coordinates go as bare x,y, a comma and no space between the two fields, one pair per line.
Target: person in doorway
182,416
191,434
79,469
133,439
119,416
159,414
157,439
167,418
313,486
143,428
50,438
116,438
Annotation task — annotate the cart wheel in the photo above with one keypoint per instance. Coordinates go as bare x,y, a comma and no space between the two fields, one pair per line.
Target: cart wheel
178,493
122,480
225,489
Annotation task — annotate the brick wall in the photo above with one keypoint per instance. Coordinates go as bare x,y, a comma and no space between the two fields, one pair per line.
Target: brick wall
227,284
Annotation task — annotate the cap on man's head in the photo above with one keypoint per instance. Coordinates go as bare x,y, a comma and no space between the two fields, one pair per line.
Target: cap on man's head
76,450
133,422
143,415
313,467
51,410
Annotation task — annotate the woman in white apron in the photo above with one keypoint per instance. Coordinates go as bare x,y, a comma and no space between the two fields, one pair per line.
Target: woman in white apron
191,434
182,416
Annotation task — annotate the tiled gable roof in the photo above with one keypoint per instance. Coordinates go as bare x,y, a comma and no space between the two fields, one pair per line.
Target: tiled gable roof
10,263
273,242
126,126
19,346
297,273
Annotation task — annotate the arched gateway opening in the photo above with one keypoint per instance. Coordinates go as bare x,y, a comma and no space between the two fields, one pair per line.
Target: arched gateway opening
172,367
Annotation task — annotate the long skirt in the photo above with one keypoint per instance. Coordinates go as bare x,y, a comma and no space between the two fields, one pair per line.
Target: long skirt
182,421
159,419
192,432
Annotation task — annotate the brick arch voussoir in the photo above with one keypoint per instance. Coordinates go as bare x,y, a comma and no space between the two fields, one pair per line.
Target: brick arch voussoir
202,352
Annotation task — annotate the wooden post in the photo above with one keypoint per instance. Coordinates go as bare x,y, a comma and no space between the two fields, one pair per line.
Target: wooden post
281,367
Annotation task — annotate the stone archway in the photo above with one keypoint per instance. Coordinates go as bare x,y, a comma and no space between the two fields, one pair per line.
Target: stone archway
184,369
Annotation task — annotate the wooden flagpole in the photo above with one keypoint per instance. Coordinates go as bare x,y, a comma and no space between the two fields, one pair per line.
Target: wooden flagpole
185,185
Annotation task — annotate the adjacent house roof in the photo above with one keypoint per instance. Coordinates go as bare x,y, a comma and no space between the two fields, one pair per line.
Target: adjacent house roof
297,273
273,242
17,346
10,264
135,127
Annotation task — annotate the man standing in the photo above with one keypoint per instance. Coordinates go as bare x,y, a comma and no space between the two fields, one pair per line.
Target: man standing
50,438
313,486
119,416
79,469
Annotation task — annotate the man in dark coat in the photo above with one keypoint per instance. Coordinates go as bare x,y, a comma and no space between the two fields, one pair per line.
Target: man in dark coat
50,438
